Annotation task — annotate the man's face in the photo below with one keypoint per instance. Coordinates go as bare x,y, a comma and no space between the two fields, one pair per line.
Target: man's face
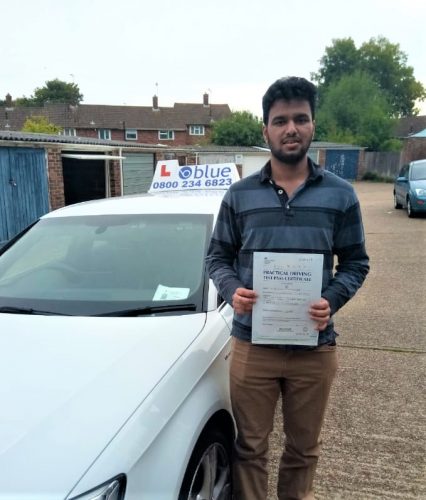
289,130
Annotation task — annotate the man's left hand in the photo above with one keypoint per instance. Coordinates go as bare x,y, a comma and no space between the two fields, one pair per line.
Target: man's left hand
320,313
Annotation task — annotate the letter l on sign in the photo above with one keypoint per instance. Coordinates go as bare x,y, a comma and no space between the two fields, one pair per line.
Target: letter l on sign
164,172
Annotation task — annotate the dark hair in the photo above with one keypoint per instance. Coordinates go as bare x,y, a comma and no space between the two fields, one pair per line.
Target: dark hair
287,88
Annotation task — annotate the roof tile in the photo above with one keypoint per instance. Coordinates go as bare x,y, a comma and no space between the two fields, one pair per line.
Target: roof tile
177,117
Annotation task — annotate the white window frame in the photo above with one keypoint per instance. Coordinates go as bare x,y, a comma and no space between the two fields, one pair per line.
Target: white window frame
197,130
166,135
131,134
69,132
104,132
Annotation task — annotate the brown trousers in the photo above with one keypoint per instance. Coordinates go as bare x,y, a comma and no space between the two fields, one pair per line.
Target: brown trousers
258,376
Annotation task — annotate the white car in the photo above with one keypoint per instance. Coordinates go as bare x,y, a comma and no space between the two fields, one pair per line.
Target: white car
114,354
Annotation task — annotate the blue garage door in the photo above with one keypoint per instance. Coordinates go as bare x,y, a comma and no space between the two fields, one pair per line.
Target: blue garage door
23,189
342,162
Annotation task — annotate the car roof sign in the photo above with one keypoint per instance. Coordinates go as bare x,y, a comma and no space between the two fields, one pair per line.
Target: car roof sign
170,176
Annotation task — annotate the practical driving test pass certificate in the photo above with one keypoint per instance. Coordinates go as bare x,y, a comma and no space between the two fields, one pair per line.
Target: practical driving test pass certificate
286,284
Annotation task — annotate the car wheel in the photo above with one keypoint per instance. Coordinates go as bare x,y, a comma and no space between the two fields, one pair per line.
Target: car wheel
208,476
410,211
395,202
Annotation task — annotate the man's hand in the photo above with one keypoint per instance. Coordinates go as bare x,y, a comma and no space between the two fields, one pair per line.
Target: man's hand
243,300
320,313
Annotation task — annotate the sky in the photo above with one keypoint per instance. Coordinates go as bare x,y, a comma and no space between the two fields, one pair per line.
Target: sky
125,51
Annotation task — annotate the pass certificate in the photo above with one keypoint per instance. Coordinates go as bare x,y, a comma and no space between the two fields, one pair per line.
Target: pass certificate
286,284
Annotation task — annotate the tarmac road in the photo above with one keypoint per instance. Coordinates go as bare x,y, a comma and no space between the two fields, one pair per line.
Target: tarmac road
375,429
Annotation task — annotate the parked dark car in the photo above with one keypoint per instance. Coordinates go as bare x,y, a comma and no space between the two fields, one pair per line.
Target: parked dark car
410,188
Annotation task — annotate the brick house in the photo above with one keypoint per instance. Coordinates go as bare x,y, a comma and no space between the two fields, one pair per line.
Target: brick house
182,124
409,125
414,147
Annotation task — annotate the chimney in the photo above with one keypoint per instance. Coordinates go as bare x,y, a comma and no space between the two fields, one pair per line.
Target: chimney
8,102
206,100
155,103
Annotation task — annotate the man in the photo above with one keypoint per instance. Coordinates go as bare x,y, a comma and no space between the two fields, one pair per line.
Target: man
294,206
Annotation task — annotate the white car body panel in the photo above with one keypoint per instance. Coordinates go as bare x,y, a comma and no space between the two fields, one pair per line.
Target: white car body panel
195,202
206,361
60,366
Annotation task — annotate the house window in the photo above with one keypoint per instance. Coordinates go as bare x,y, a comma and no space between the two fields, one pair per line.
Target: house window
166,135
69,132
196,130
131,134
104,133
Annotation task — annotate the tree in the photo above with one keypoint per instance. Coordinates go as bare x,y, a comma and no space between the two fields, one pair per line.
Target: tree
355,111
388,66
25,102
383,61
340,59
53,91
40,124
241,128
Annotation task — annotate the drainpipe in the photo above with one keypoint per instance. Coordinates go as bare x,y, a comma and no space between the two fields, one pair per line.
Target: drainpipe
121,170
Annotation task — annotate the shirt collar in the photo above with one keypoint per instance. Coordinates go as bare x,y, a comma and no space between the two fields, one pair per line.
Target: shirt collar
315,172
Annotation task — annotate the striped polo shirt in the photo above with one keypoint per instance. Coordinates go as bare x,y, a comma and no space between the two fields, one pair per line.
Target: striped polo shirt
322,216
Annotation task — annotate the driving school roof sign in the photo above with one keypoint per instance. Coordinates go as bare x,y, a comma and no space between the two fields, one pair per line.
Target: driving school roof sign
170,176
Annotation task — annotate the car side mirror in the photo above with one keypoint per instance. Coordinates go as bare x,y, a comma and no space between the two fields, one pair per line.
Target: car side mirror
402,179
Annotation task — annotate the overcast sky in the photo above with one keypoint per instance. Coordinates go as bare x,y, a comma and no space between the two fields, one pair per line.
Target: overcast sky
125,51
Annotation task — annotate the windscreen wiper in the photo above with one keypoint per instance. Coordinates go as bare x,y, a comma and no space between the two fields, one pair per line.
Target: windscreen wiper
29,310
143,311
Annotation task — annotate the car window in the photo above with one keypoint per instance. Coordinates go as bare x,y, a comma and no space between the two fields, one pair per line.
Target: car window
418,171
96,264
403,171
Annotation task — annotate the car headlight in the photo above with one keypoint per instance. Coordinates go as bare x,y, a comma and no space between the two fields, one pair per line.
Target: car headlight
111,490
420,192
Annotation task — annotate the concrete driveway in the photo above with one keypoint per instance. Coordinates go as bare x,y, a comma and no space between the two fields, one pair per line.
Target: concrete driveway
375,430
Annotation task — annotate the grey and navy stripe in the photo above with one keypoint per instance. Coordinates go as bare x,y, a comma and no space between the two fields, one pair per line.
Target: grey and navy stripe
323,216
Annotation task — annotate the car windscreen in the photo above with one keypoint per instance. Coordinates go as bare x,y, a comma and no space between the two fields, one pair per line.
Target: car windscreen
418,171
93,265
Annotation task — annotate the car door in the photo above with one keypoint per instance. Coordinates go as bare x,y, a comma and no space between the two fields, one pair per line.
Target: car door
227,313
401,185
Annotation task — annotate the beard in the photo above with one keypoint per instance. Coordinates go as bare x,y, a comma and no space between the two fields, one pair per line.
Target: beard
289,158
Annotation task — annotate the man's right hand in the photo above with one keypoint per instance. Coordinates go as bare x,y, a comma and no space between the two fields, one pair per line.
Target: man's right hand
243,300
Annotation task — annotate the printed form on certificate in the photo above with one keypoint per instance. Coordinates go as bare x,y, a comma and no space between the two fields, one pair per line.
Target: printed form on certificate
286,284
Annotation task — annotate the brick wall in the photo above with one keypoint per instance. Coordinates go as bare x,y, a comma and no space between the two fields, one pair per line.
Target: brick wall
321,157
87,132
55,178
114,176
362,167
414,149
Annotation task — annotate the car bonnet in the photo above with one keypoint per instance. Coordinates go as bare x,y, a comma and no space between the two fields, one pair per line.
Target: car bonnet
69,384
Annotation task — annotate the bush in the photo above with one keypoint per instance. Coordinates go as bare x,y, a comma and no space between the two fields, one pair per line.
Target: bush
375,177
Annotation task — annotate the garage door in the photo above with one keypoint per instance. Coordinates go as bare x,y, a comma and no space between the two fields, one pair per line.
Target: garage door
138,170
343,163
23,189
